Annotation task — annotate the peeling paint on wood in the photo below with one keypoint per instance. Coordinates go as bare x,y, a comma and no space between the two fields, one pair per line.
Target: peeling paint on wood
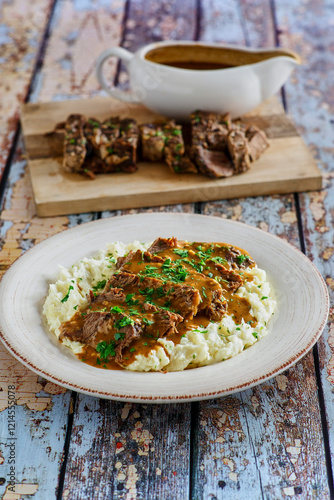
307,28
21,29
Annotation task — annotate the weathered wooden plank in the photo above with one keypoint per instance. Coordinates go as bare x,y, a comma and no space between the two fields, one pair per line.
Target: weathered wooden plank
80,32
40,412
309,97
127,451
42,408
148,447
258,23
264,440
22,25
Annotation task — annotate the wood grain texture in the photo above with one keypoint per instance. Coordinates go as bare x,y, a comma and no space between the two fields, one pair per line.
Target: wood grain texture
309,98
41,407
260,439
80,32
22,25
130,451
163,473
42,423
286,166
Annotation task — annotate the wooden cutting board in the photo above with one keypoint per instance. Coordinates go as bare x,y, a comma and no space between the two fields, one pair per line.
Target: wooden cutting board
287,165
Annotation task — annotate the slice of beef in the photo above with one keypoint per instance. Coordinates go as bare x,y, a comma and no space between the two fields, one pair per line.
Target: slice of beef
232,279
124,258
174,143
237,145
85,326
217,307
129,333
123,151
257,142
183,299
94,323
74,143
181,164
212,163
162,244
112,295
165,322
210,130
152,142
92,131
109,132
122,280
237,260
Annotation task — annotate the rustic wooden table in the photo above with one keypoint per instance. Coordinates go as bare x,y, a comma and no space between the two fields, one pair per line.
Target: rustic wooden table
273,441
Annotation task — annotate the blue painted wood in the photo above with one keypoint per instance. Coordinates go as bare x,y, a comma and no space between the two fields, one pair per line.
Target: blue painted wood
263,440
309,98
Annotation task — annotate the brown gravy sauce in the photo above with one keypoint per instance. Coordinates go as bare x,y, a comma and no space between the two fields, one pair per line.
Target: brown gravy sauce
203,57
205,278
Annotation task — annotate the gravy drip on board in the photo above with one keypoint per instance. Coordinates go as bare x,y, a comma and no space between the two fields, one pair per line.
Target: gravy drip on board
172,288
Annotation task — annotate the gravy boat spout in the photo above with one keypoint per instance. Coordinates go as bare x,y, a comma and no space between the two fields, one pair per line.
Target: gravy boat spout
273,72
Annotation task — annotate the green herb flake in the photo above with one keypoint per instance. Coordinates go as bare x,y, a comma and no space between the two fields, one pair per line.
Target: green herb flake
106,349
255,335
180,252
65,299
99,285
121,323
264,297
116,309
241,258
130,301
148,321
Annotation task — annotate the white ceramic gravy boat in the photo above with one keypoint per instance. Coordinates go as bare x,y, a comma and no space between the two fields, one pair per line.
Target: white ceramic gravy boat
245,77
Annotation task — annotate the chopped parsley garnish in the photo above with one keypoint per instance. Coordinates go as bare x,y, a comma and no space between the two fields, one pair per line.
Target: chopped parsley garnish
219,260
264,297
106,349
93,123
203,292
116,309
255,334
120,323
130,301
180,252
241,258
147,321
65,299
132,349
99,285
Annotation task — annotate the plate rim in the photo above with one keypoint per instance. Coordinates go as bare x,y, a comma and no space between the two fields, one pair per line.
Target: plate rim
194,396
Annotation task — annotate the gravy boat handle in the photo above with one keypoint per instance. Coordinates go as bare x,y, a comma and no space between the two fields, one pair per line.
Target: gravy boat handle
126,56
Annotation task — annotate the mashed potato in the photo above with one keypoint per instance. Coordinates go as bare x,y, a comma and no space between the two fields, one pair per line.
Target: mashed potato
199,347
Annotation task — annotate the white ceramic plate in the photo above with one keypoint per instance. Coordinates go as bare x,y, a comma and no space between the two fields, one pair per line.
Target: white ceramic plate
301,315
